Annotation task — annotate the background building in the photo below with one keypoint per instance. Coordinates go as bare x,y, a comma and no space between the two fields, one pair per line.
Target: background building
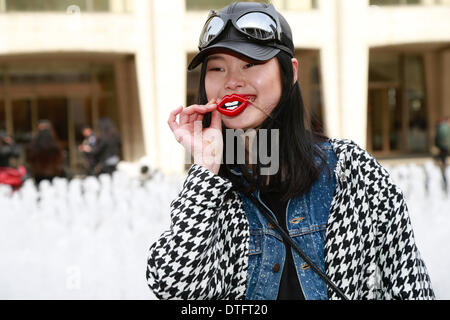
377,72
372,71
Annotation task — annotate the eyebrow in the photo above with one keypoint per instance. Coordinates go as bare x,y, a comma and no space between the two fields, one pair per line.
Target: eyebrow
220,57
215,57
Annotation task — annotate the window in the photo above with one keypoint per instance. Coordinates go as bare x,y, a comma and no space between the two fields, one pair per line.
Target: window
414,84
296,4
309,78
65,5
208,4
279,4
397,110
393,2
408,2
2,117
68,94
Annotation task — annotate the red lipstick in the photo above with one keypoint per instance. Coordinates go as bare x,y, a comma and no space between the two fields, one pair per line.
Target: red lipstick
232,105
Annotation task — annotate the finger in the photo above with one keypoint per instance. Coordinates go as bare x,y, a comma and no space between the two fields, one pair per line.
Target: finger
199,117
172,121
184,118
193,117
216,120
190,114
202,109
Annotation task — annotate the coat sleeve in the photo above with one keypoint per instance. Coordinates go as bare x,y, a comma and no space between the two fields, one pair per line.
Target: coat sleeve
202,255
403,274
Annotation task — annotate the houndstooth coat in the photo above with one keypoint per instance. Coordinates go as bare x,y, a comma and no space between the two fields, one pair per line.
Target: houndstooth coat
370,252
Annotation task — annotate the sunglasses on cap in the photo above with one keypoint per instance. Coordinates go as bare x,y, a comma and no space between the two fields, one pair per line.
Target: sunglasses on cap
258,24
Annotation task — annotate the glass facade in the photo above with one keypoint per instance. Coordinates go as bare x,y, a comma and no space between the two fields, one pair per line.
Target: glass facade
279,4
397,109
415,96
68,94
2,118
64,5
311,86
408,2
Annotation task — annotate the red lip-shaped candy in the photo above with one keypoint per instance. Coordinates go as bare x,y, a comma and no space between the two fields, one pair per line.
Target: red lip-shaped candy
232,105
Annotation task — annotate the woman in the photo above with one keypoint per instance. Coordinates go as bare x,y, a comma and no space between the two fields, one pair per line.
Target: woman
45,155
333,199
106,151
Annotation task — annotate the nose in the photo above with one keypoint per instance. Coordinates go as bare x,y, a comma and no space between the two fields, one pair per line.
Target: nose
235,80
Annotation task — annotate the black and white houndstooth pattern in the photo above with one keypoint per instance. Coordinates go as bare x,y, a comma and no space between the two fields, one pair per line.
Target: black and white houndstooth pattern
369,248
202,256
370,251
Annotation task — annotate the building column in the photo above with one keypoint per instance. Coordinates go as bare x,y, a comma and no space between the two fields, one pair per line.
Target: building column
329,72
170,79
353,63
160,62
145,70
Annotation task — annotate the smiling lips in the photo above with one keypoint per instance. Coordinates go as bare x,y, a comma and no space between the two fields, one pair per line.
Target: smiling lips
232,105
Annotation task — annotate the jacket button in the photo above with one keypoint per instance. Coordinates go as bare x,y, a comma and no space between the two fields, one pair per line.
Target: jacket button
276,267
271,226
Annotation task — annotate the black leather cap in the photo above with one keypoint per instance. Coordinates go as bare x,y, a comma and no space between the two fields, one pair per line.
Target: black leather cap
234,41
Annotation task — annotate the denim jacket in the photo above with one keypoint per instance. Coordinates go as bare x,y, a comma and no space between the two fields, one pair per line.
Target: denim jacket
306,220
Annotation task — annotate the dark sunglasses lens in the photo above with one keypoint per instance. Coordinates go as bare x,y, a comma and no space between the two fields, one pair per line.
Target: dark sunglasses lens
258,25
211,29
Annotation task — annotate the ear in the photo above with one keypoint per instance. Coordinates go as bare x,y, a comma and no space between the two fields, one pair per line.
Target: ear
295,69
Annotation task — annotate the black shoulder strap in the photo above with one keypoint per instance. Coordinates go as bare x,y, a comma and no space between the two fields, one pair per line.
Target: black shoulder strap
291,242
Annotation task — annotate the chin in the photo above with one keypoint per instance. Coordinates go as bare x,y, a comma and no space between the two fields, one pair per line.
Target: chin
244,121
234,123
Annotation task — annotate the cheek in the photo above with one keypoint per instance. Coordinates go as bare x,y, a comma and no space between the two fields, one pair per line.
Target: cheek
208,90
269,88
211,88
270,98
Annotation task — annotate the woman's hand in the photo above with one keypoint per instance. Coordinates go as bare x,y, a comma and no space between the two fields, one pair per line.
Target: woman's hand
204,144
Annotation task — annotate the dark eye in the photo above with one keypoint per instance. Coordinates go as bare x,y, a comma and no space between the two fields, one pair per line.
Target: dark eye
249,65
215,69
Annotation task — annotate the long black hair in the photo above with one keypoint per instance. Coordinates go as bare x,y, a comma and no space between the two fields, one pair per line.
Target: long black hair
298,149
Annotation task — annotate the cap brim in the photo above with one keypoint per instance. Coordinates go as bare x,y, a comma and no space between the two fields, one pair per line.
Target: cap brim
250,50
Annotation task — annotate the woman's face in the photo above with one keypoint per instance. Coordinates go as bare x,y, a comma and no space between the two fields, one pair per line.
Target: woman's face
228,73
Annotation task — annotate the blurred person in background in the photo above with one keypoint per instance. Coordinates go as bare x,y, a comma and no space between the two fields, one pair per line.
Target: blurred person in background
45,156
106,151
442,141
8,149
86,148
8,174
